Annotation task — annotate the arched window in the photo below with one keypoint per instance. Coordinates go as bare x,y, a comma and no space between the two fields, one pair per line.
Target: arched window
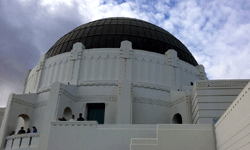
67,113
23,121
177,119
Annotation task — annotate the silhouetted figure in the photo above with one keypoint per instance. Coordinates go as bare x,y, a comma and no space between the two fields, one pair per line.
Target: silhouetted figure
63,119
34,130
80,117
12,133
72,118
28,130
22,131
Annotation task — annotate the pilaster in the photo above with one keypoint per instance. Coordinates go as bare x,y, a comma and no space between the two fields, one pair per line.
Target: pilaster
124,95
39,71
202,74
75,61
5,129
174,70
50,114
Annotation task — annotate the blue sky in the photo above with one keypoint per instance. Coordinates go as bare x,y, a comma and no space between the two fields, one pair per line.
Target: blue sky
216,32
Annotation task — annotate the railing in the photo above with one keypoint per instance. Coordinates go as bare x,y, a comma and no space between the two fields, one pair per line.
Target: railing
30,140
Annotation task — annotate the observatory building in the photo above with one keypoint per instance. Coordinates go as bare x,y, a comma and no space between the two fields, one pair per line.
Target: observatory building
138,88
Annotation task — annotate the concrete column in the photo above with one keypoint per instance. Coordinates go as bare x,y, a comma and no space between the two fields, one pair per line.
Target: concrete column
50,114
75,60
5,128
39,70
124,98
174,70
202,74
26,81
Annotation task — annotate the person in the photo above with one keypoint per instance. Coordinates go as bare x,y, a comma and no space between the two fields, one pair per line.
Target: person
34,130
63,119
80,117
12,133
28,130
22,131
72,118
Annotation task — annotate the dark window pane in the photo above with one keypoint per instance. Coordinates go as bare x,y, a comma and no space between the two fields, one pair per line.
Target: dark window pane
83,40
133,30
95,42
64,47
86,32
110,40
92,31
133,22
112,29
89,24
117,41
98,30
102,40
140,31
125,38
80,33
119,29
139,23
101,22
70,46
152,32
89,41
120,21
160,36
105,29
76,40
107,21
94,23
59,49
126,29
126,21
74,35
140,42
114,21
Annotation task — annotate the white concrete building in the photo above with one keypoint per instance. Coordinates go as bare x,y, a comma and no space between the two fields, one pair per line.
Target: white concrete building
138,88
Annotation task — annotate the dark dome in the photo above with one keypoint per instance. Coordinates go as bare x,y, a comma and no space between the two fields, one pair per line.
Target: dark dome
109,32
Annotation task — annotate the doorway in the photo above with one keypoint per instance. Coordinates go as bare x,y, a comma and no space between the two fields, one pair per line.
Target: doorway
95,111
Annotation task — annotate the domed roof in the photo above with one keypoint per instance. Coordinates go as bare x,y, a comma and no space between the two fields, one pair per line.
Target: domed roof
109,32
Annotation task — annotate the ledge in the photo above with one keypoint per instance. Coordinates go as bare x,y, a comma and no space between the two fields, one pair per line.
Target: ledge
27,135
74,123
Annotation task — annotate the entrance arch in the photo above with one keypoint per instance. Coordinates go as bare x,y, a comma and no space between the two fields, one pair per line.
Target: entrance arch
177,119
67,113
23,120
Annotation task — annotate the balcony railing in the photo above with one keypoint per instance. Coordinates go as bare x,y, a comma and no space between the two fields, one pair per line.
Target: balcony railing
30,140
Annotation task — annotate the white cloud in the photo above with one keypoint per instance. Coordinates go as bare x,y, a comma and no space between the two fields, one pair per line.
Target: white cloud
216,32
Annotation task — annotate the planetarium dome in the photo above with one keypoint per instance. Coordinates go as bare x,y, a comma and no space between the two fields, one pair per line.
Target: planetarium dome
109,32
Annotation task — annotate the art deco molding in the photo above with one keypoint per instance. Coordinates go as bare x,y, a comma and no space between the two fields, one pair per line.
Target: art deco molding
69,95
22,102
44,89
151,86
221,83
158,102
41,104
97,98
150,101
98,83
182,99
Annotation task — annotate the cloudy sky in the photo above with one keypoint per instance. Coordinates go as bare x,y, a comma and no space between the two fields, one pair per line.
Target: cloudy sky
217,32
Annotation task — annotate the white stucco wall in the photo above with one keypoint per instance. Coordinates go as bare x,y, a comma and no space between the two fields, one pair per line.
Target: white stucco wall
233,128
178,137
210,99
